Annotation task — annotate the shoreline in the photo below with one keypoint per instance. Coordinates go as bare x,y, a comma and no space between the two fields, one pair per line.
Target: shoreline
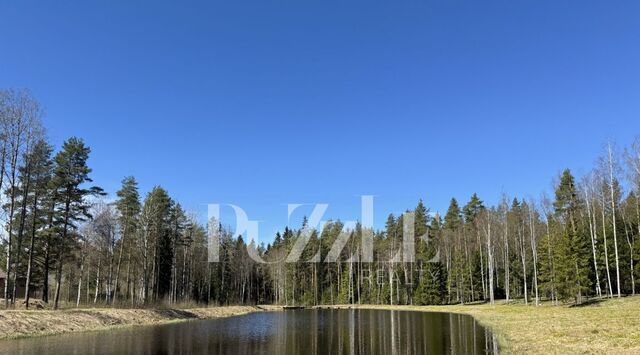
15,324
607,326
603,326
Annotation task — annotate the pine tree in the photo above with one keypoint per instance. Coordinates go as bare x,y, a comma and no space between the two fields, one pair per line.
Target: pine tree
41,171
70,174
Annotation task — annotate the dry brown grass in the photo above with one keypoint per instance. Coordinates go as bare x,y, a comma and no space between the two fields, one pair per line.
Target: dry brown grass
22,323
607,327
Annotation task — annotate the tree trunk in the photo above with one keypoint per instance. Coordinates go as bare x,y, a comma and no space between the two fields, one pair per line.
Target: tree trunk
56,298
534,252
630,242
80,281
507,275
31,246
482,273
126,296
490,263
15,150
613,212
23,219
523,258
145,269
551,263
47,253
95,298
594,237
65,229
606,253
115,285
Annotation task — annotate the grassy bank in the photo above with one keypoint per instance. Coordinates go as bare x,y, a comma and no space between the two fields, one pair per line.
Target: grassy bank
608,326
23,323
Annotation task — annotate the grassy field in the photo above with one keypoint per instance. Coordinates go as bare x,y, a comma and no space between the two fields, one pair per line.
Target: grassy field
605,327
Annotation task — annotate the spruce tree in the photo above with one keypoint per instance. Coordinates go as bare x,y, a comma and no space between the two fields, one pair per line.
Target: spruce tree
573,245
453,225
128,206
472,208
155,224
453,220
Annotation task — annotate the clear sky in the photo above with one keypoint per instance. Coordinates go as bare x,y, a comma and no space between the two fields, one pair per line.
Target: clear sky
264,103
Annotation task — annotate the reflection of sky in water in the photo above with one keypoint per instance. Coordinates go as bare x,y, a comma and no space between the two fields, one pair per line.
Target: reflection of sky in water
286,332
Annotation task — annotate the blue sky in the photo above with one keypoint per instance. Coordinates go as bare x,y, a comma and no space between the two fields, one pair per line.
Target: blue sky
264,103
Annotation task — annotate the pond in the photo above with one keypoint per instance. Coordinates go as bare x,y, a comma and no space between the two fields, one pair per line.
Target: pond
317,331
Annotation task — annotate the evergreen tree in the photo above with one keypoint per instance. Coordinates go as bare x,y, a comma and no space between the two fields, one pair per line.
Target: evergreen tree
40,174
453,225
473,208
453,218
70,174
155,235
573,244
128,206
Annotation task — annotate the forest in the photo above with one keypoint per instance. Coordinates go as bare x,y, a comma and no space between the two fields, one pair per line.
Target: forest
69,244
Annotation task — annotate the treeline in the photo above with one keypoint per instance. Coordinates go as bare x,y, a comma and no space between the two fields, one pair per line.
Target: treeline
583,243
64,241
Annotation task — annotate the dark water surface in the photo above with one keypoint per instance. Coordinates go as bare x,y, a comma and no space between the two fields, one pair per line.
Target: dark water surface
287,332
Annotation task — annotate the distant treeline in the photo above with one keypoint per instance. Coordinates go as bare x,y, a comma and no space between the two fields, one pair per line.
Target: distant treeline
60,242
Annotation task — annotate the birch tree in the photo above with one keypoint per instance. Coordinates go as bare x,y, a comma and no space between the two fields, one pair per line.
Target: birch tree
534,247
611,167
587,189
20,118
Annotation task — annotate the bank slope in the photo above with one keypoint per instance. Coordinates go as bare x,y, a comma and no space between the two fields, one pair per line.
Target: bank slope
22,323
